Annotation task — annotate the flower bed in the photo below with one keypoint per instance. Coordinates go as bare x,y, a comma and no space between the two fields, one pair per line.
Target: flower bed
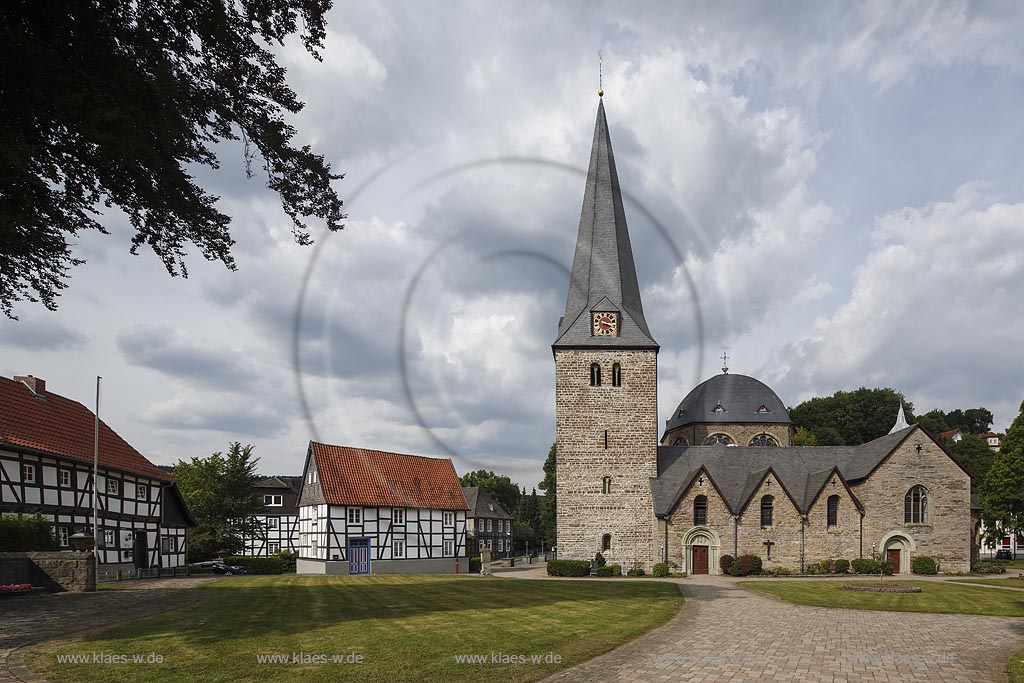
15,587
881,588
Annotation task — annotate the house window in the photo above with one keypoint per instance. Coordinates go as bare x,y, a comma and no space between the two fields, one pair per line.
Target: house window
273,501
398,548
606,542
140,492
765,441
616,375
109,539
65,478
832,511
606,484
315,546
479,524
273,522
355,515
700,511
449,548
488,525
273,547
767,503
595,375
62,536
28,474
398,516
165,545
112,487
915,506
449,519
716,439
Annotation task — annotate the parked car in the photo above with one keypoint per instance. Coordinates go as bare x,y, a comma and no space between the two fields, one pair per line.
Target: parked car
1004,555
229,569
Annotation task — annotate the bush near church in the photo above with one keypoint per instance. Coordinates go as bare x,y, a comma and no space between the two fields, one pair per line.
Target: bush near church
609,570
924,564
745,565
842,566
987,567
660,570
568,568
636,570
725,562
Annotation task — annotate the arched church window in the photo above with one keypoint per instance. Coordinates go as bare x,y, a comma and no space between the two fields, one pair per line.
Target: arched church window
680,441
616,375
700,511
606,542
832,511
595,375
606,484
767,508
915,506
764,440
715,439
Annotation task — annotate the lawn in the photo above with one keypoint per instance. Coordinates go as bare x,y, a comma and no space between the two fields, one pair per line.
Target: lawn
1012,582
404,628
1015,668
936,597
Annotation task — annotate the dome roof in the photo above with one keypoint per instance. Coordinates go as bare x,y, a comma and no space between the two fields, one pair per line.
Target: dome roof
725,399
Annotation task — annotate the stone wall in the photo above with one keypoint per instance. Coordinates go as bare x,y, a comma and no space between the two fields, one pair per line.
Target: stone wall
681,526
784,533
55,571
629,414
740,433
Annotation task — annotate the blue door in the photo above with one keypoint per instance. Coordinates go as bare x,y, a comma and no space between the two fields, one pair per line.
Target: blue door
359,556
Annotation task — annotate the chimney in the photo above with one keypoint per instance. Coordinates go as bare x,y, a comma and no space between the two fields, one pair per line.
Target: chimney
37,385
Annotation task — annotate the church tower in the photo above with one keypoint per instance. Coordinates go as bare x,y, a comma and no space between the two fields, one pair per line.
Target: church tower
606,395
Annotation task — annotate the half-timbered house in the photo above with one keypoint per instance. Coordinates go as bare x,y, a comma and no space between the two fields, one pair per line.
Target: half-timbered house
277,525
372,512
490,526
46,467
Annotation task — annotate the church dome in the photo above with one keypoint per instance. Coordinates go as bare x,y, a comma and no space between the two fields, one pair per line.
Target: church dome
730,399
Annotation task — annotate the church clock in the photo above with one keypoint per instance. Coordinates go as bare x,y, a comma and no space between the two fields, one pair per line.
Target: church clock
606,324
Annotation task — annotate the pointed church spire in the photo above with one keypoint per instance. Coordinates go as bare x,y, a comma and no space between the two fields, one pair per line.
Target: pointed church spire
603,278
901,421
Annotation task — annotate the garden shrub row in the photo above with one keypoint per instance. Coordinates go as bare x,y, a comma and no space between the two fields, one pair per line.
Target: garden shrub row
257,565
568,568
609,570
26,534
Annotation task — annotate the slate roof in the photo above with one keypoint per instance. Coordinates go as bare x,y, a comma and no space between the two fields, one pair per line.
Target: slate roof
287,488
603,274
62,427
479,504
356,476
740,396
738,471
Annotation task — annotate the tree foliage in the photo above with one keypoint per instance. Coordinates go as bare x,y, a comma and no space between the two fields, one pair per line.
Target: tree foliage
1002,497
970,421
112,104
498,486
802,437
850,417
975,454
549,506
220,491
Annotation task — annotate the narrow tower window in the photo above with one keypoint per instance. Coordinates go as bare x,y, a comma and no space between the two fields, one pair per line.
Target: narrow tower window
700,511
606,542
616,375
595,375
832,511
606,484
767,505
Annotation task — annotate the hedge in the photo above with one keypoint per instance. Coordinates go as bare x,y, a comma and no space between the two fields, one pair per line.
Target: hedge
842,566
924,564
864,565
726,562
745,565
988,567
26,534
636,570
609,570
257,565
660,570
568,568
474,565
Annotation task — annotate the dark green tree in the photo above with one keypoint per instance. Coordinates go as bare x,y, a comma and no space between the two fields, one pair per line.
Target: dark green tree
850,417
527,522
499,487
220,491
1002,496
113,105
975,455
549,506
934,421
802,437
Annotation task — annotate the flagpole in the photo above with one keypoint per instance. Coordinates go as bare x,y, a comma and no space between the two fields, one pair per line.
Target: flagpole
95,482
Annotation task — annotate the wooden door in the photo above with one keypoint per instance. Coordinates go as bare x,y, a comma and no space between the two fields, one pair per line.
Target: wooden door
359,556
140,550
893,555
700,559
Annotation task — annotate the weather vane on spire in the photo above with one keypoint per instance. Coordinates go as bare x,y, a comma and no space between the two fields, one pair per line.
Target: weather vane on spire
600,75
725,362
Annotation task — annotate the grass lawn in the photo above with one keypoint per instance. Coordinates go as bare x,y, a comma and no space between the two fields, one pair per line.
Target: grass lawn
407,628
936,597
1005,581
1015,668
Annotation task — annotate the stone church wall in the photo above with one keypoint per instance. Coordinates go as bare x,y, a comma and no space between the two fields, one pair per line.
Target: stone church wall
841,542
741,434
719,523
629,414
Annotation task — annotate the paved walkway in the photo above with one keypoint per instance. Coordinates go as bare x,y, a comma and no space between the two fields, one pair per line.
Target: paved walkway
727,633
28,620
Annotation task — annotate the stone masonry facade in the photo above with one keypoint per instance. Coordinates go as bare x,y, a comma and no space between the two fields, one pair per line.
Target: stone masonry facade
741,434
629,456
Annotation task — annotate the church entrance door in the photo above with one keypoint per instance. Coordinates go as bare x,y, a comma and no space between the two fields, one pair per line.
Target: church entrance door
893,555
700,559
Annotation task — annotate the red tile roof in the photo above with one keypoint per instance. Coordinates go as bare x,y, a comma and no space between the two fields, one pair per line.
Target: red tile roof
65,428
949,434
355,476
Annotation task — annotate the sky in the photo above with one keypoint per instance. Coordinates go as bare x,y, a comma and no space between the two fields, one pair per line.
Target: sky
829,192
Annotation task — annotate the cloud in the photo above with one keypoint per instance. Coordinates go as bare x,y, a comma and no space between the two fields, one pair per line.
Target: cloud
40,332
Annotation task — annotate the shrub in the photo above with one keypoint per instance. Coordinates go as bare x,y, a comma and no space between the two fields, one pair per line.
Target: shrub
842,566
777,571
814,568
885,568
599,558
568,568
636,570
987,567
474,565
923,564
865,565
257,565
828,566
26,533
725,562
660,570
746,565
610,570
682,575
